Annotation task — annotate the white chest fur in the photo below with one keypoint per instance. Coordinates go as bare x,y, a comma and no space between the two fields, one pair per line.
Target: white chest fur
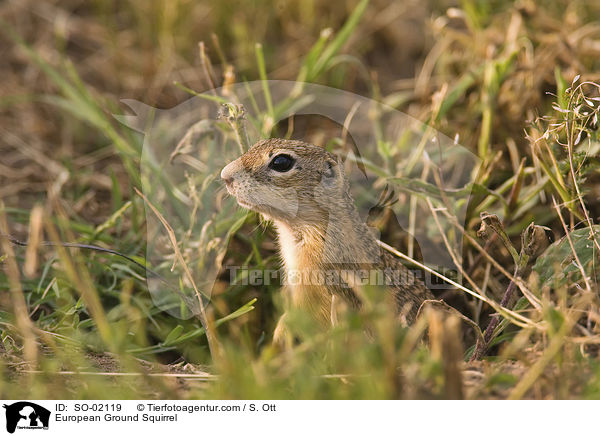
289,248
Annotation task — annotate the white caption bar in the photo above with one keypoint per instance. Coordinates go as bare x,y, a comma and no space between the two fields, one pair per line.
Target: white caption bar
264,417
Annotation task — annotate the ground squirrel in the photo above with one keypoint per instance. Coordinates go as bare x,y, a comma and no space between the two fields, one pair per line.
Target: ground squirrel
327,250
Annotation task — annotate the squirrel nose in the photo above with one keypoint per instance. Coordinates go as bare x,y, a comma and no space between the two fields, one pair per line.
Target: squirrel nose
227,174
227,180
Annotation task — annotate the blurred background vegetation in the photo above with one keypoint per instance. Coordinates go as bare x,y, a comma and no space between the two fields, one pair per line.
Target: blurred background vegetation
512,80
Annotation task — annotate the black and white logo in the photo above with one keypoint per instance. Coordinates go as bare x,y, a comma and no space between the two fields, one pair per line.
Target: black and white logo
26,415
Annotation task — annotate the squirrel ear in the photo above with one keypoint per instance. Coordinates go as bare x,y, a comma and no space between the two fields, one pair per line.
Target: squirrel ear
330,170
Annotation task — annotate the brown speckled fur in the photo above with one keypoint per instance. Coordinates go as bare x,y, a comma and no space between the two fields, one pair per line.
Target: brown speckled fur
319,229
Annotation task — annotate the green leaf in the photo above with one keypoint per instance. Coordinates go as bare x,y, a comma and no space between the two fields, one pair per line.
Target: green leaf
334,46
420,187
557,266
174,334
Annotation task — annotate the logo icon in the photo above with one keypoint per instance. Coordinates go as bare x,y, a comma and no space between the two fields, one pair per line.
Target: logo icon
26,415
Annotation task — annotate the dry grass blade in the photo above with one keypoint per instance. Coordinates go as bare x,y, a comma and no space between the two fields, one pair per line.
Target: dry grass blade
203,376
26,327
554,347
452,253
440,304
36,222
586,279
533,300
452,352
210,335
515,317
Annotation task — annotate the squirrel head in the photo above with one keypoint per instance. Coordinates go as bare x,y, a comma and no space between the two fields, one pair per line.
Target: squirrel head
290,181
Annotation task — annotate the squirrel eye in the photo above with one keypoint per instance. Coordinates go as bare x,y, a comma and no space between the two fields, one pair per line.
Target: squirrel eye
282,163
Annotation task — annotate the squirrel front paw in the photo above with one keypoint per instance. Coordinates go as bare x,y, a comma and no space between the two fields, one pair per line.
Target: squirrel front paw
282,337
